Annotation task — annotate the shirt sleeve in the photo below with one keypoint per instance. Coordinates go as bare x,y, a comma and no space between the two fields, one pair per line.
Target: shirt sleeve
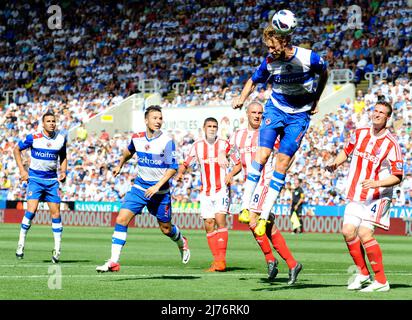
63,150
395,159
131,147
317,64
261,75
27,143
170,155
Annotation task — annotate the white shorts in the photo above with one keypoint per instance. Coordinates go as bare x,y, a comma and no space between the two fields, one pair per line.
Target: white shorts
370,214
258,198
213,204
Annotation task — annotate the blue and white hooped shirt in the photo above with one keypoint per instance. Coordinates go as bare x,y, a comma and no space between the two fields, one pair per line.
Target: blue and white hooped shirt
154,157
293,80
45,154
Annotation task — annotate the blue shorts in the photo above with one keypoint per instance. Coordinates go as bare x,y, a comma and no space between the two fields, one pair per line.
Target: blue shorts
159,205
291,127
43,190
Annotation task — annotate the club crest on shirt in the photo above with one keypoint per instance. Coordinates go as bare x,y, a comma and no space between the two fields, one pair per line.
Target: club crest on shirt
399,166
49,145
267,122
147,147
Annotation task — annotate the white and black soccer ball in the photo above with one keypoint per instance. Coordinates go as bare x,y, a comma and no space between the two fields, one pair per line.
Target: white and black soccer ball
284,22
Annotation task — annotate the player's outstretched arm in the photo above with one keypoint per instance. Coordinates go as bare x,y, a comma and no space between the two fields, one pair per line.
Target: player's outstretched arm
24,176
340,158
323,79
126,156
180,172
390,181
154,189
249,87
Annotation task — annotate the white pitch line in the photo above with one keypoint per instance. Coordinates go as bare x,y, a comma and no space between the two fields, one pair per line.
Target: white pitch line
92,266
258,275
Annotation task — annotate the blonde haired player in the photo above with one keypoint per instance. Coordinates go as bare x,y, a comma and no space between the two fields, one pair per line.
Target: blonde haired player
292,73
376,167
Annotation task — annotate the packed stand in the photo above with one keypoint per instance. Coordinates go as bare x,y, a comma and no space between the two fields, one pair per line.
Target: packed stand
381,44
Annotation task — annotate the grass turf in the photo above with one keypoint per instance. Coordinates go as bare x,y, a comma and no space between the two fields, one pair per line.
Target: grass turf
151,267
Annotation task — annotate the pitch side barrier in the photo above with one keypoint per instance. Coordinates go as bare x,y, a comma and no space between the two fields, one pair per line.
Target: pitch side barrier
315,219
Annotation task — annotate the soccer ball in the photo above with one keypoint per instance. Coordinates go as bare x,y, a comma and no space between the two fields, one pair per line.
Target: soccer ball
284,22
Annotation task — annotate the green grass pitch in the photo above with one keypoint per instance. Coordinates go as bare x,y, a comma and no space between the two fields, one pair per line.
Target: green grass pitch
151,267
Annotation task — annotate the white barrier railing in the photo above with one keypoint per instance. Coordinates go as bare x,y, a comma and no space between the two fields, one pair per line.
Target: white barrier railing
179,87
340,76
372,75
149,85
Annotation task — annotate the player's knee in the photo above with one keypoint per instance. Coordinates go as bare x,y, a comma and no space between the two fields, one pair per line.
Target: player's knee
122,220
264,155
348,232
166,229
253,219
282,162
55,215
209,225
365,234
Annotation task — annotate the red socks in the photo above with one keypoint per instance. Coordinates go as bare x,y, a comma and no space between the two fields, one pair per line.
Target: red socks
212,241
374,252
263,242
280,246
222,236
358,255
217,241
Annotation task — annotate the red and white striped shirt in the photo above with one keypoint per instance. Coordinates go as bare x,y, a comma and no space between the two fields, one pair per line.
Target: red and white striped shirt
373,158
206,155
246,143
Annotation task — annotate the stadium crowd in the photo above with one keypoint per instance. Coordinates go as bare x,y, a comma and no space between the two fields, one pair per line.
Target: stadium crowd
96,60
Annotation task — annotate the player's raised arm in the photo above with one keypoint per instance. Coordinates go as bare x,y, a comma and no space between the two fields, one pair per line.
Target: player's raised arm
249,87
323,79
